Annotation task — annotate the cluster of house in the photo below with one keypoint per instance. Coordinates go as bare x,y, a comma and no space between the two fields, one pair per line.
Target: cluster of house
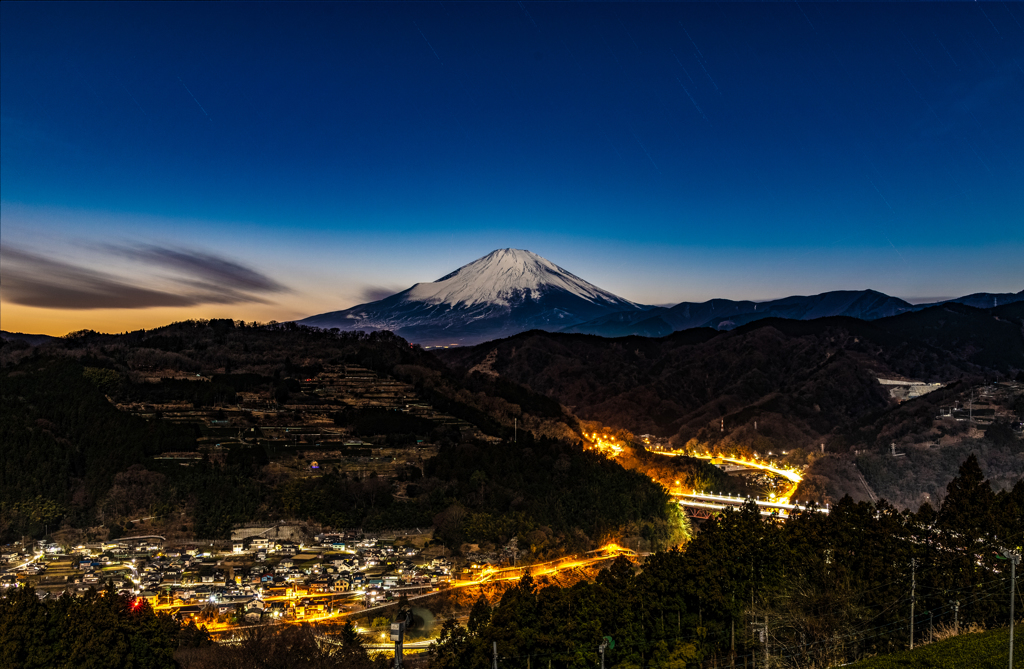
255,580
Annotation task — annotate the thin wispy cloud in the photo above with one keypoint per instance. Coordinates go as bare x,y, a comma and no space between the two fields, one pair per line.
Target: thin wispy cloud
32,279
373,293
205,267
35,281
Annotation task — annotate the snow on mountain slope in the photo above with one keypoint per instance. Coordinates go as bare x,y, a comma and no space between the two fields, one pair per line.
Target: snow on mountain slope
506,292
505,276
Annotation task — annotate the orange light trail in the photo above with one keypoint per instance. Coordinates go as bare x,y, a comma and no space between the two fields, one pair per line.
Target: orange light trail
611,448
790,474
493,575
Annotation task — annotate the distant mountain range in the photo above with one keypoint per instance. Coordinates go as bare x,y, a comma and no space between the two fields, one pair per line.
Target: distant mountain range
867,305
800,382
30,339
510,291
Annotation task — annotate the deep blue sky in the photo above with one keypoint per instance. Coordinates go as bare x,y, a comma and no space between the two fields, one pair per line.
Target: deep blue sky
665,152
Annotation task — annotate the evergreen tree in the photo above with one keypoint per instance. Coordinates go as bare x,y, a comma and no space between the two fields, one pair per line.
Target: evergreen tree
969,504
453,648
479,615
95,631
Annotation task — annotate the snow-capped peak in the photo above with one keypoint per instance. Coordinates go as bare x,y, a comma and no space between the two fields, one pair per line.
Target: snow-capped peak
504,276
504,293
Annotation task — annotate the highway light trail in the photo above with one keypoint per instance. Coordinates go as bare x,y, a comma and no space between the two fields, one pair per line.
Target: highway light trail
611,448
791,475
494,575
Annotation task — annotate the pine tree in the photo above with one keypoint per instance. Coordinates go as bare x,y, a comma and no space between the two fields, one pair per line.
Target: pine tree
479,615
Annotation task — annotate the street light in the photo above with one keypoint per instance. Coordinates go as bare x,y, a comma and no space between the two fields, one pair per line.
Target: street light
606,644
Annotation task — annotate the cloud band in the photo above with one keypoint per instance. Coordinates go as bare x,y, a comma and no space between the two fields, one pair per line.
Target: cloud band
34,280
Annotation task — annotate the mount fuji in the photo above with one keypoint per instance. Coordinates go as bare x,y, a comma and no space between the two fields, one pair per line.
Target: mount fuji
506,292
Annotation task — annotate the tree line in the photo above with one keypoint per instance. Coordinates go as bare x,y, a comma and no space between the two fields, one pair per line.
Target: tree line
827,588
105,630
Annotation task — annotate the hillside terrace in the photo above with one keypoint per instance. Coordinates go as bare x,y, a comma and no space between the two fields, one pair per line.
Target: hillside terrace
301,431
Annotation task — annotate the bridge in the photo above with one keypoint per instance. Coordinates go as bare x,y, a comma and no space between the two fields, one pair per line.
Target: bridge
703,506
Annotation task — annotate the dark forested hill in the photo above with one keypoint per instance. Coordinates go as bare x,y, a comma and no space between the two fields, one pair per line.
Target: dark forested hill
210,423
797,381
80,424
62,442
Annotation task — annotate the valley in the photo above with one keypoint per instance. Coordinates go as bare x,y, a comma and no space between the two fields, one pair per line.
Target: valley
267,477
511,335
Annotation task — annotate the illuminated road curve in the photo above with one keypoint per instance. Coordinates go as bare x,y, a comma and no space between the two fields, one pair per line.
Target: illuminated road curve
494,575
791,475
705,505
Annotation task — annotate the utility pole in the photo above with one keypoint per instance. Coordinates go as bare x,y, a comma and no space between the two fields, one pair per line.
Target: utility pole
913,583
956,617
396,636
494,662
766,641
398,628
1014,558
732,634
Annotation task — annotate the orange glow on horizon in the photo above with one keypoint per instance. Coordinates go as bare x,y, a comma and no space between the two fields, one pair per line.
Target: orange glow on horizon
59,322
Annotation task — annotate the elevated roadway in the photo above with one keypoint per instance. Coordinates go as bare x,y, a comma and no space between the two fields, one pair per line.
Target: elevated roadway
701,505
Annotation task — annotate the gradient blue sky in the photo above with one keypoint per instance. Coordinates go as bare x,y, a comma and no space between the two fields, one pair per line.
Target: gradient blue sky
271,161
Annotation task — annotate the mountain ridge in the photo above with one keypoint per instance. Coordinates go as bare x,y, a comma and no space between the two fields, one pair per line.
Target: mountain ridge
801,379
30,339
723,314
509,291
